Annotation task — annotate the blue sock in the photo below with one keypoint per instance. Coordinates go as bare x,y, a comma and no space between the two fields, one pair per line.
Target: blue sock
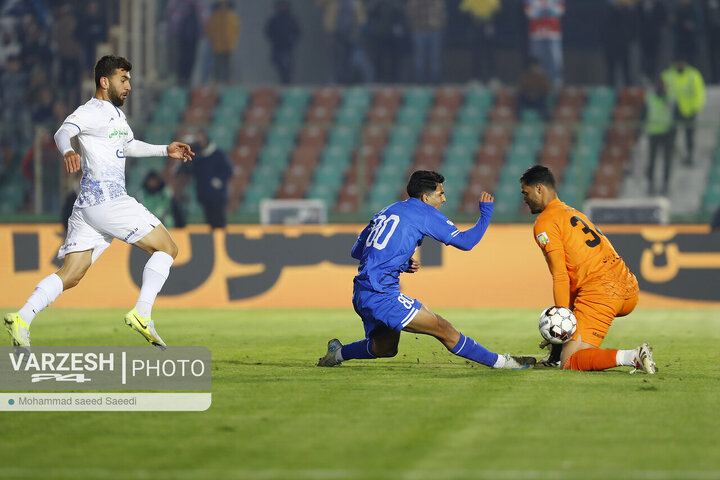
358,350
470,349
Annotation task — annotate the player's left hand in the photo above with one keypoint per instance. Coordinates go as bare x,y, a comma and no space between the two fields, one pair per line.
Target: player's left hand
180,150
414,266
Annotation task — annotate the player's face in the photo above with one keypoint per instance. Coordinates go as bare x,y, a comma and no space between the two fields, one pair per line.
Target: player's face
119,87
436,198
532,196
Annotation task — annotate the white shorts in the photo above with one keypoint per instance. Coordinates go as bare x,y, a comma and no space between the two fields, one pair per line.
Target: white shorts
93,228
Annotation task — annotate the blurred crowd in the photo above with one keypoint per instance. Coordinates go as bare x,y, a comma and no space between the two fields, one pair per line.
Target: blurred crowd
47,47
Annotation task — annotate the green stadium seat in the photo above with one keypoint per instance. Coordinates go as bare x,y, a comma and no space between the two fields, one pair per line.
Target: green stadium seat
234,98
326,193
160,134
357,98
405,136
466,136
175,97
223,135
274,156
472,115
228,115
337,157
411,115
166,115
281,136
344,136
602,96
597,116
397,155
459,155
328,175
350,115
295,97
479,97
419,97
289,115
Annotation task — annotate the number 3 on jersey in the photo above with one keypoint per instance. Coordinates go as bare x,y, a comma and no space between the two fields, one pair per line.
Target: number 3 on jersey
380,233
595,241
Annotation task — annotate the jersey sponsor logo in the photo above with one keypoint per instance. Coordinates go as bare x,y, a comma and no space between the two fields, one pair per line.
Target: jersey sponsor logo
543,239
118,132
120,153
449,222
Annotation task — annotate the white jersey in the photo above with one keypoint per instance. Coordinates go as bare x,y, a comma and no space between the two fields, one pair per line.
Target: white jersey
103,133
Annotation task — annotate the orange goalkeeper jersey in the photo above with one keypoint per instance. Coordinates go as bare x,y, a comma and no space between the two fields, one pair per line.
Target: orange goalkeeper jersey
589,255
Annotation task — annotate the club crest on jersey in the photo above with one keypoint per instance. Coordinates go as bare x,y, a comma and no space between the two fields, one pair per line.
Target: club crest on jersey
543,239
449,222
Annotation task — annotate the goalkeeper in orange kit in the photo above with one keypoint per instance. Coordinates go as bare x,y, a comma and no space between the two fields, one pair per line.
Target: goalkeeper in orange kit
589,277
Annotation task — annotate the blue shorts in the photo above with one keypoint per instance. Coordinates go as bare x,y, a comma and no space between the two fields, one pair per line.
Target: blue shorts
384,312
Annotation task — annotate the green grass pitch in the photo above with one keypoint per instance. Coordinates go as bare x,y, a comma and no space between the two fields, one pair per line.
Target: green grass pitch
424,414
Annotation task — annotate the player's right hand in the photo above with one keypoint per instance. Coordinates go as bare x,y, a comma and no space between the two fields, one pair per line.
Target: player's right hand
72,161
485,197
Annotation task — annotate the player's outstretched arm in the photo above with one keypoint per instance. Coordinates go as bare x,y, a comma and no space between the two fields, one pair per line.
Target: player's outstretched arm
469,238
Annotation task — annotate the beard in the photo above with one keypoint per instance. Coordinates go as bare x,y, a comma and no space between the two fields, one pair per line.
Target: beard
115,98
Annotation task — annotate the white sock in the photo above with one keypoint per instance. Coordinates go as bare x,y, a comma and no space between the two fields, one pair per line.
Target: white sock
338,355
625,358
46,291
155,273
500,362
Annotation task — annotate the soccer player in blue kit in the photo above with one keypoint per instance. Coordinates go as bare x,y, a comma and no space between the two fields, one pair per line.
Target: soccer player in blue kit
385,248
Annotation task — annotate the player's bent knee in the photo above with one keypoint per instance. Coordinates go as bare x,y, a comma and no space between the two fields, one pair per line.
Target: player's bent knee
171,249
388,352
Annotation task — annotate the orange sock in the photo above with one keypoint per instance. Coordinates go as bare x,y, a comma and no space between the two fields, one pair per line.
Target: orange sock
591,359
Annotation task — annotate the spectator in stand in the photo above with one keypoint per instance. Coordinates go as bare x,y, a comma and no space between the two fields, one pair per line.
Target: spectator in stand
42,108
223,31
545,32
712,30
68,50
534,89
157,198
35,41
94,31
9,47
686,87
14,113
212,172
344,21
184,27
651,21
389,37
51,171
283,33
427,23
658,114
619,31
482,36
686,25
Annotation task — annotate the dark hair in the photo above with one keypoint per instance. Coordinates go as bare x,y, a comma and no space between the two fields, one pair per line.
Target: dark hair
423,181
107,65
538,174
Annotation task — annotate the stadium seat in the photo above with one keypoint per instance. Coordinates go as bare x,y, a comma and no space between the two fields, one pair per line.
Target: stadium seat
344,136
374,136
281,136
273,156
327,97
222,135
296,97
260,115
357,98
419,97
350,115
234,98
411,115
289,115
320,114
472,115
313,135
251,135
175,98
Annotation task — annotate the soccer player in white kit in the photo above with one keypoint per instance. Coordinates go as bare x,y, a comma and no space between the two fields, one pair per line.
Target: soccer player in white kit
103,209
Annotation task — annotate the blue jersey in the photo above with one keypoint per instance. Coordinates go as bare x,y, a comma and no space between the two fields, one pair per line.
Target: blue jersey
386,245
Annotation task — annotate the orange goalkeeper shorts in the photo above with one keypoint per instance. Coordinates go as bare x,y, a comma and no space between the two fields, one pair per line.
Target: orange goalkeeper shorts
596,305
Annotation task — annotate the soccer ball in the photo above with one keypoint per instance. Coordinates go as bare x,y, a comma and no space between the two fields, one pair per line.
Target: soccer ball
557,324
